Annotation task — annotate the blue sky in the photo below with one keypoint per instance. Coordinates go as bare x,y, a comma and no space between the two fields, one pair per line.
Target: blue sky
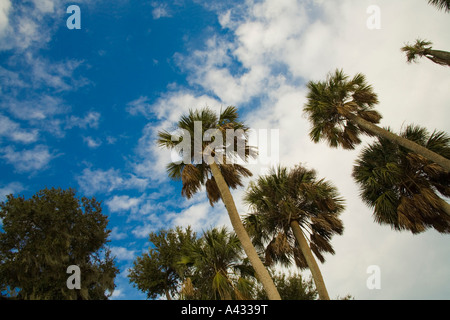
81,108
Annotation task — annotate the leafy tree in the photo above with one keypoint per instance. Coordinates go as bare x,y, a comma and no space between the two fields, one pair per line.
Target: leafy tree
44,235
340,109
218,172
159,271
423,48
403,187
441,4
290,209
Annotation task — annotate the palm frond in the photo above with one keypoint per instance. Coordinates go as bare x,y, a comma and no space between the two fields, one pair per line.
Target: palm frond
402,186
441,4
416,50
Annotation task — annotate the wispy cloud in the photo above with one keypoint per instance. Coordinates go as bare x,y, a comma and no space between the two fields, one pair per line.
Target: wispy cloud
92,143
14,132
32,85
27,160
116,234
122,203
105,181
140,106
160,10
122,253
90,120
10,188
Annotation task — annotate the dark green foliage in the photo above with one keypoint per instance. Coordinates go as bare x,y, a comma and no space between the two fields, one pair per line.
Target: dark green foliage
182,266
159,272
217,268
292,287
211,267
44,235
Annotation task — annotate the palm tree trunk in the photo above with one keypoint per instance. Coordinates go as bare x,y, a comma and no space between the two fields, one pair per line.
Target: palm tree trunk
412,146
438,56
258,266
168,297
312,264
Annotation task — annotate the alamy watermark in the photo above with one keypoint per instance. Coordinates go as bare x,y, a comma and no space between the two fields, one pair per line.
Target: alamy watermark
74,20
74,281
374,20
374,280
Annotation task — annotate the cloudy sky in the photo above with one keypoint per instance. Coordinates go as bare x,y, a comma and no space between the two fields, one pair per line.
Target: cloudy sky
81,108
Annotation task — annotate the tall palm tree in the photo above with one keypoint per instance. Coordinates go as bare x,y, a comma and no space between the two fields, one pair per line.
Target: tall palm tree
219,270
441,4
340,109
402,187
297,215
422,48
216,177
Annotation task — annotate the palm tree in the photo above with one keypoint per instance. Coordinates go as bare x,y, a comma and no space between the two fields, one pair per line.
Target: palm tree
291,209
441,4
219,270
216,177
402,187
422,48
340,109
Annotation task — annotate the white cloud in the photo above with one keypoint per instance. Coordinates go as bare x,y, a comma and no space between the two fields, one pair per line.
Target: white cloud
13,131
101,181
36,108
45,6
122,253
27,160
142,231
10,188
90,120
116,234
5,7
117,293
122,203
160,11
56,75
92,143
139,106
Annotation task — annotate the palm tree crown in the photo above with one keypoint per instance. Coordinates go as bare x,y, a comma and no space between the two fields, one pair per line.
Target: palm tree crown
294,215
283,196
195,175
219,268
423,48
331,101
402,187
